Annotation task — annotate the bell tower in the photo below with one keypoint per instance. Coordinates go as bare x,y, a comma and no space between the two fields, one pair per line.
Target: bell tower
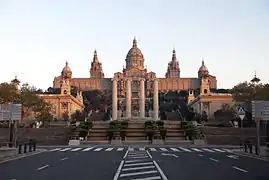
173,70
65,87
96,70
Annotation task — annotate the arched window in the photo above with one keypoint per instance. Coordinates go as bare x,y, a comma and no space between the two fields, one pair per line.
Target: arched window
205,91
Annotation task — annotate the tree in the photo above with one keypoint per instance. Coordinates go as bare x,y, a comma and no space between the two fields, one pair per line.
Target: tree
8,93
78,116
226,113
27,96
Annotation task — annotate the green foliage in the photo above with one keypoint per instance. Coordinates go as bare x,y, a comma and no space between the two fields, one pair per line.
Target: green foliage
123,129
149,131
160,123
78,116
85,127
191,131
163,133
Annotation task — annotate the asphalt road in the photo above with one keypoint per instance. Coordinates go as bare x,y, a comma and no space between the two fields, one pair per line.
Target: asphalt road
116,163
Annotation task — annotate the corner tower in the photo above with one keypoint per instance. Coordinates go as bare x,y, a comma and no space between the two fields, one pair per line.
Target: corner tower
96,70
173,70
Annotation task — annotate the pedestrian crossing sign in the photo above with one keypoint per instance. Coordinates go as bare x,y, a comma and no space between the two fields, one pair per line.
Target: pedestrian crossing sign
241,111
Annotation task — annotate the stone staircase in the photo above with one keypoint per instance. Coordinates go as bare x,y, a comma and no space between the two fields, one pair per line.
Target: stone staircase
174,131
135,131
98,131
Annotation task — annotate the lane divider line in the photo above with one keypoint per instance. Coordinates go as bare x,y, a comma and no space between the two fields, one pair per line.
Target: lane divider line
160,171
116,177
212,159
239,169
43,167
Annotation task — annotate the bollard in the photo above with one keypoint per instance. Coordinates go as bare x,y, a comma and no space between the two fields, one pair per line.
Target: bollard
30,147
19,148
256,150
25,148
246,148
34,146
250,148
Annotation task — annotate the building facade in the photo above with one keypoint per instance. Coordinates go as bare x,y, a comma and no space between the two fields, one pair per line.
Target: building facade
134,79
134,69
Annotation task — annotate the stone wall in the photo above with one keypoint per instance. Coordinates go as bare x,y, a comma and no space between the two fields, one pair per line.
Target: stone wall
44,136
231,136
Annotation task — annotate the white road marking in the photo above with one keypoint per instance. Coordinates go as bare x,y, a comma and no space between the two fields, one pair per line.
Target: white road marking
77,149
88,149
163,149
43,167
137,160
149,155
120,149
184,149
125,155
137,164
65,158
131,149
160,171
228,150
54,149
138,154
174,149
137,173
150,178
138,168
66,149
153,149
139,157
219,150
212,159
200,155
141,149
208,150
197,150
109,149
239,169
118,171
98,149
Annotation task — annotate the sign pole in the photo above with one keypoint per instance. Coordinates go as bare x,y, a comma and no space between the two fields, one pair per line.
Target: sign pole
258,135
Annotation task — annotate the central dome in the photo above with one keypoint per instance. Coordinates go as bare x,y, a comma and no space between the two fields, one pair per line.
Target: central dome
134,57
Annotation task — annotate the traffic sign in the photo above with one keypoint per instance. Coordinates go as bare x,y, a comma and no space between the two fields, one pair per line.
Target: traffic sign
260,110
10,112
241,111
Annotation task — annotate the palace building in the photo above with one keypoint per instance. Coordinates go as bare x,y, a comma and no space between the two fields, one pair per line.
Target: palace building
134,82
134,68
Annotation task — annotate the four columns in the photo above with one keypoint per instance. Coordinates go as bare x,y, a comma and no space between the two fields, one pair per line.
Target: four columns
156,100
129,99
114,100
142,99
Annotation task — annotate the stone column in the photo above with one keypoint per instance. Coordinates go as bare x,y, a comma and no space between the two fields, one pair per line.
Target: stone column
114,100
142,99
156,100
128,98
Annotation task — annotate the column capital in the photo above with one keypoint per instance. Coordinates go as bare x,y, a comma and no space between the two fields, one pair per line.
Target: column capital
142,79
155,79
114,79
128,79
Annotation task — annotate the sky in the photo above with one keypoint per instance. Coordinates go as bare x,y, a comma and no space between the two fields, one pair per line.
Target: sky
37,37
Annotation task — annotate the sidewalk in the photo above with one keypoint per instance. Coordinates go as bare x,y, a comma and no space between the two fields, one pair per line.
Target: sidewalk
264,153
8,154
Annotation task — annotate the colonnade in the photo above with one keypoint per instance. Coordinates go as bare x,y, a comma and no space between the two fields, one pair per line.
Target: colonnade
129,99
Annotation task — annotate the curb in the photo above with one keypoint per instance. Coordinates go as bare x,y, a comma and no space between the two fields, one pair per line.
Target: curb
11,158
263,158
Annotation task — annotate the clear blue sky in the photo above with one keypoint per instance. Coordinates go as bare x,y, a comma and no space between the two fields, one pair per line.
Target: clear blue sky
37,37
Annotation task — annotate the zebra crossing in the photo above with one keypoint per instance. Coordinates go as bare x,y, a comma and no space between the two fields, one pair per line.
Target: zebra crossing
152,149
